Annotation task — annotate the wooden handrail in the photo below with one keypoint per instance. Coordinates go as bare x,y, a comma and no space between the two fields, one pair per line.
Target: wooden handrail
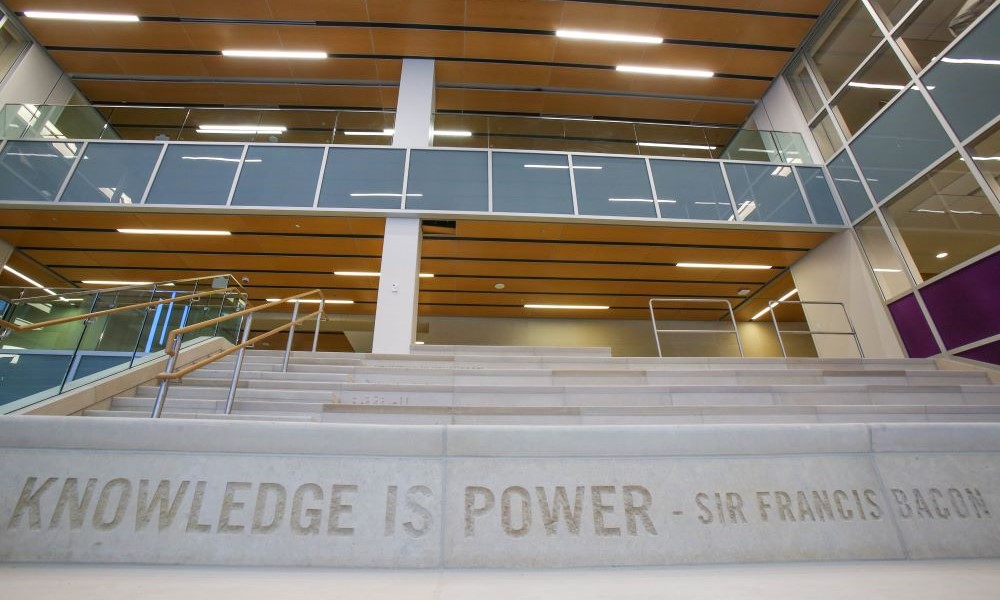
111,311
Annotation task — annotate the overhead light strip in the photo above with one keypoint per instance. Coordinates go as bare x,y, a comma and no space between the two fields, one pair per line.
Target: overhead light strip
371,133
24,277
114,282
568,306
312,301
373,274
81,16
297,54
668,71
243,129
451,133
175,231
768,309
677,146
688,265
626,38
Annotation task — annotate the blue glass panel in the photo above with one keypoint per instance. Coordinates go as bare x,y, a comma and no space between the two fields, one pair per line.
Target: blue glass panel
767,193
531,183
116,173
447,180
279,176
34,171
613,186
691,190
903,141
965,84
848,184
820,197
363,178
195,174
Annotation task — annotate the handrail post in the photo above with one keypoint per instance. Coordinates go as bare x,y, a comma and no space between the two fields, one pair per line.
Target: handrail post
161,395
772,304
854,333
231,399
656,334
319,319
291,333
736,328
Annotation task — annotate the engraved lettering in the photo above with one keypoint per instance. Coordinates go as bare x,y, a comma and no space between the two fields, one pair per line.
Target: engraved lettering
424,518
857,502
69,499
314,515
734,502
166,508
763,504
821,500
560,504
260,506
338,508
194,523
805,510
784,502
839,497
596,493
29,501
229,505
871,497
922,509
958,503
506,517
472,510
633,510
978,504
390,511
905,511
101,523
706,516
936,495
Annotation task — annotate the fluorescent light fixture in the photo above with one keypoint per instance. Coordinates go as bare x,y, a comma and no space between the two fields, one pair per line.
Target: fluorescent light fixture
883,270
371,133
971,61
419,343
688,265
17,273
175,231
664,71
768,309
304,54
81,16
574,167
875,86
373,274
451,133
574,34
243,129
941,255
114,282
312,301
677,146
568,306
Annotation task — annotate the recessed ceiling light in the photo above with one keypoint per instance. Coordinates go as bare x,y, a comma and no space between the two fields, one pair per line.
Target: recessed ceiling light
768,309
21,275
688,265
941,255
451,133
499,286
743,292
312,301
303,54
114,282
371,133
677,146
243,129
175,231
81,16
575,34
568,306
664,71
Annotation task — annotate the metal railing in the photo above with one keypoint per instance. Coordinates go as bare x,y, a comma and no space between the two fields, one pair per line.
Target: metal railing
172,348
657,332
772,304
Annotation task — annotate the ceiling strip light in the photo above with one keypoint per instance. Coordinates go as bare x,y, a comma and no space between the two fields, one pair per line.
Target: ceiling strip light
373,274
875,86
304,54
312,301
721,266
451,133
768,309
664,71
113,282
17,273
971,61
175,231
883,270
81,16
677,146
568,306
371,133
243,129
575,34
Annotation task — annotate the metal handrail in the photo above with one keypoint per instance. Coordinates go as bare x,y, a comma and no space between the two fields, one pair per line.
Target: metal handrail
124,288
172,347
657,332
772,304
111,311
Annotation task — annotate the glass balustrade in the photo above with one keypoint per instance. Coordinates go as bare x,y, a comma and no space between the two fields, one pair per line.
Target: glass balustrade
36,364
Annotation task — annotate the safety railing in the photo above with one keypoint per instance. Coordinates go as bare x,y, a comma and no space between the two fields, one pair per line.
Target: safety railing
174,341
729,308
772,304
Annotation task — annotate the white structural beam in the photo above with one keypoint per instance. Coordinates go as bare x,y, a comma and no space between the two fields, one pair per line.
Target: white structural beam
415,109
398,286
6,250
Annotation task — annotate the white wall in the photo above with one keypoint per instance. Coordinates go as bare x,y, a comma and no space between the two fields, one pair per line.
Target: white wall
837,271
36,79
779,111
5,251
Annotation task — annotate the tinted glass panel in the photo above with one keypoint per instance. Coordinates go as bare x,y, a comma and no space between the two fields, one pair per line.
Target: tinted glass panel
986,153
35,170
447,180
842,50
691,190
820,197
116,173
279,176
935,24
531,183
195,174
826,137
848,184
883,258
613,186
363,178
870,90
903,141
804,90
767,194
891,11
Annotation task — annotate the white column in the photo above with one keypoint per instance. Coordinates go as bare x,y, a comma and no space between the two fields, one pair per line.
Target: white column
415,107
5,251
836,271
398,286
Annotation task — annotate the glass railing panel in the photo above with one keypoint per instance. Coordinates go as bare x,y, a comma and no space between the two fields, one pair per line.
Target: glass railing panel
792,148
613,186
363,178
143,122
848,183
751,145
766,194
820,197
682,141
447,180
369,128
531,183
51,121
198,174
691,190
260,126
279,176
461,131
115,173
34,171
161,320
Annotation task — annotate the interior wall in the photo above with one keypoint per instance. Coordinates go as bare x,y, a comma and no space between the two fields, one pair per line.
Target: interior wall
37,79
779,111
836,271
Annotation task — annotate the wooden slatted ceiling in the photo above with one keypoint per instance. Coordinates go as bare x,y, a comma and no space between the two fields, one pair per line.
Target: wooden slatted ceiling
747,41
543,263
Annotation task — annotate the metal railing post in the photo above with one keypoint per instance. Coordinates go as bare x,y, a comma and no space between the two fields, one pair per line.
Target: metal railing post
291,334
161,395
736,328
319,319
656,333
777,331
729,307
239,367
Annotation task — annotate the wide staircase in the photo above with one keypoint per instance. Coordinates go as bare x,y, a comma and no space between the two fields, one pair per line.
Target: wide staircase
493,385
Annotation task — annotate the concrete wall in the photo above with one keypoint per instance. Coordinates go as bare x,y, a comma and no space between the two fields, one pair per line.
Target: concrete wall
836,271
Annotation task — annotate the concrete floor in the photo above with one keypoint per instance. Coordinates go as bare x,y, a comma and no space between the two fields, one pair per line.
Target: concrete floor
966,579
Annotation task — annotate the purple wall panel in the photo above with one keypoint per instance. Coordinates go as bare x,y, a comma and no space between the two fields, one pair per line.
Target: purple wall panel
913,328
965,305
990,353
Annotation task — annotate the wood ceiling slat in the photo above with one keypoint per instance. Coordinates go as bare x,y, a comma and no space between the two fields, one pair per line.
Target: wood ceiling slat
587,271
523,313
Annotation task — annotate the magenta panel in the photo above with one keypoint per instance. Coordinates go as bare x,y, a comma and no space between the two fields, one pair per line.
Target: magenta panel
964,305
990,353
913,328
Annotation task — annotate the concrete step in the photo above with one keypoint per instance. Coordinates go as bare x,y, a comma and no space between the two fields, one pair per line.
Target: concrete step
295,385
249,374
171,414
218,406
510,350
221,392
